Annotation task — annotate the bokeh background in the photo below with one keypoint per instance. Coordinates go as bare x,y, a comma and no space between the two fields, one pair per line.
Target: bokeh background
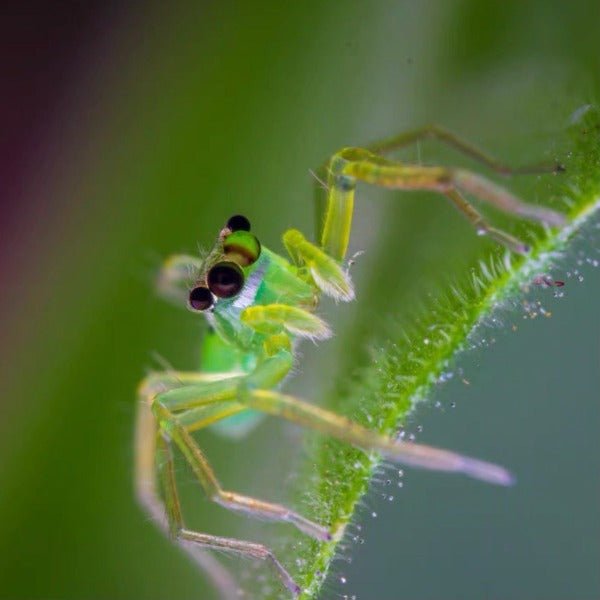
132,130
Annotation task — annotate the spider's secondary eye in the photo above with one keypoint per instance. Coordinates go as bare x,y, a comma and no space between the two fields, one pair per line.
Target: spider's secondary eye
242,248
225,279
200,298
238,223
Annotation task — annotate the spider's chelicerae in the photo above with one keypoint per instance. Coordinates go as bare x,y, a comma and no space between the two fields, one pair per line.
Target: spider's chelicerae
259,305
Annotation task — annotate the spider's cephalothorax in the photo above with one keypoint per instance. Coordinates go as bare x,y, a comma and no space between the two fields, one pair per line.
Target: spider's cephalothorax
250,294
259,304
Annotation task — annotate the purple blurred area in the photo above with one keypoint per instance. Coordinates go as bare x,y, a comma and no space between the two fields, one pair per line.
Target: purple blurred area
44,51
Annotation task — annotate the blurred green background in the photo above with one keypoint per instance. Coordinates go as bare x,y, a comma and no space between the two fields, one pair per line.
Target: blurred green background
176,116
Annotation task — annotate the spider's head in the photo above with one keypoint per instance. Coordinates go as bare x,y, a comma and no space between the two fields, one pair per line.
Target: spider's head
227,267
236,274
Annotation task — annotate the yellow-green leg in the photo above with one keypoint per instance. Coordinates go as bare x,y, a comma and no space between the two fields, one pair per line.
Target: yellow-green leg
339,427
202,399
167,417
441,134
177,274
255,391
149,498
171,427
326,272
351,165
178,531
272,319
196,403
483,227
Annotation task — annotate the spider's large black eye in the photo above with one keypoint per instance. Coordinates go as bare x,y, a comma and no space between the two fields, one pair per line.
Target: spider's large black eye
225,279
238,223
200,298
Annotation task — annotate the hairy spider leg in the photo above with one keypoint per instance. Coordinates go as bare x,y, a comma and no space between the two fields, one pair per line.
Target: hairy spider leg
195,404
350,165
452,140
178,531
154,439
148,495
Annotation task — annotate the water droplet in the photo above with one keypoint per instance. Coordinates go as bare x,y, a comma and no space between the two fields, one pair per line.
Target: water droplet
342,579
426,341
374,514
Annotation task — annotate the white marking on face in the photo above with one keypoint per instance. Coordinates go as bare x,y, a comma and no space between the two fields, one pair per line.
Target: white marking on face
248,294
210,317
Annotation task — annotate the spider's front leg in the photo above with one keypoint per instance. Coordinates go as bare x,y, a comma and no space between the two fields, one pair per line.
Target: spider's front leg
351,165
